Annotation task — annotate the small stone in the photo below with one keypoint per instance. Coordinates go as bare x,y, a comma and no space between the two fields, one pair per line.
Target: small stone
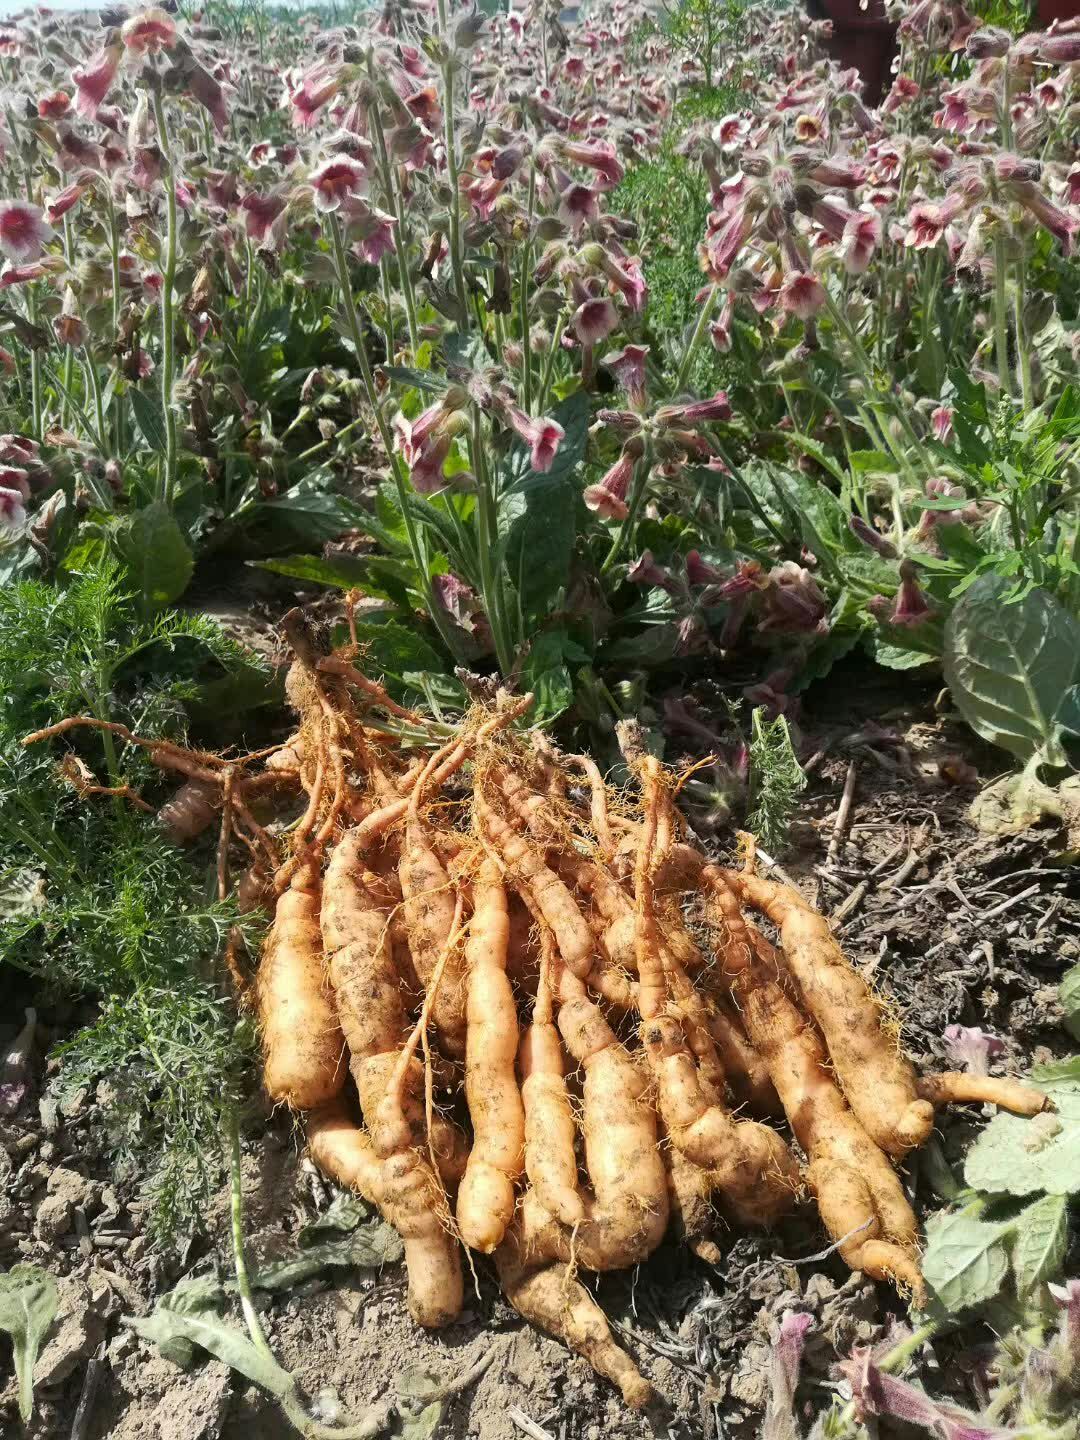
49,1111
119,1346
49,1151
106,1094
71,1184
76,1333
54,1216
74,1103
140,1244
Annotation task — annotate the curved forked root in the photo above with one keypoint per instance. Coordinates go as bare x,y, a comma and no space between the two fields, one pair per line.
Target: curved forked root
559,1304
954,1087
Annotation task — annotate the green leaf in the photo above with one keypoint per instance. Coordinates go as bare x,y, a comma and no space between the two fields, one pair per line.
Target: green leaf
224,1341
155,552
894,657
425,380
1017,1156
199,1296
393,650
345,572
148,417
863,461
311,515
1069,999
28,1304
930,365
344,1213
369,1248
1042,1234
422,1395
544,671
1009,667
965,1261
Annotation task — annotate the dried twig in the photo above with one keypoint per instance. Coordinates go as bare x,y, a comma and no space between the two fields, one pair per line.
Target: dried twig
843,815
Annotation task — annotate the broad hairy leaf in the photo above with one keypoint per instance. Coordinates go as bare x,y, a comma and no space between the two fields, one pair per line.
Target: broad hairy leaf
166,1326
28,1304
148,417
310,514
367,1248
1041,1237
393,650
1069,999
155,552
538,514
544,671
1009,667
1017,1156
965,1260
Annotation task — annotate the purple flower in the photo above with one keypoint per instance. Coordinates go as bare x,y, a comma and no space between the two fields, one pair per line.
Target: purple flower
876,1393
871,537
23,231
699,572
607,498
971,1049
792,600
645,571
779,1422
543,437
1068,1297
912,607
628,367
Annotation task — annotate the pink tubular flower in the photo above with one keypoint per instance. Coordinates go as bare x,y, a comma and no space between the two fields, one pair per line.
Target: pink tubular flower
801,294
51,107
1062,226
862,236
317,89
149,31
598,155
695,412
722,246
594,320
876,1393
971,1049
645,571
579,205
23,231
12,510
700,572
912,607
92,81
779,1420
543,437
373,231
59,205
607,498
337,181
904,89
13,477
792,600
260,214
871,537
628,367
205,89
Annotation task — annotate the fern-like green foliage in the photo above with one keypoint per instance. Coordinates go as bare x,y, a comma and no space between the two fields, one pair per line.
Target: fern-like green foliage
93,900
776,780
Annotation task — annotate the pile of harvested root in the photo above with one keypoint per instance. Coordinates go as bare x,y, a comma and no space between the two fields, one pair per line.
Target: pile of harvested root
567,1030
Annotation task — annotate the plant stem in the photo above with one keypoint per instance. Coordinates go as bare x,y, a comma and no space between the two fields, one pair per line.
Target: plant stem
695,339
167,474
637,496
236,1215
393,196
523,299
419,558
1022,351
549,363
1001,332
487,544
457,263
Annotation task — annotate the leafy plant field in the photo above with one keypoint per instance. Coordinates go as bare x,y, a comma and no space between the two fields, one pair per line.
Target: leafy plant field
638,482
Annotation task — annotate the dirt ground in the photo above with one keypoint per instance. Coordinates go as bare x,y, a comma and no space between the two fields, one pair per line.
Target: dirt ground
953,926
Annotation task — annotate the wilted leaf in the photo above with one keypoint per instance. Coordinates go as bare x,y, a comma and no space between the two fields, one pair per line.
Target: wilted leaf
1010,666
965,1261
155,552
28,1304
1016,1156
422,1403
199,1296
1069,999
373,1246
1042,1233
224,1341
344,1213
